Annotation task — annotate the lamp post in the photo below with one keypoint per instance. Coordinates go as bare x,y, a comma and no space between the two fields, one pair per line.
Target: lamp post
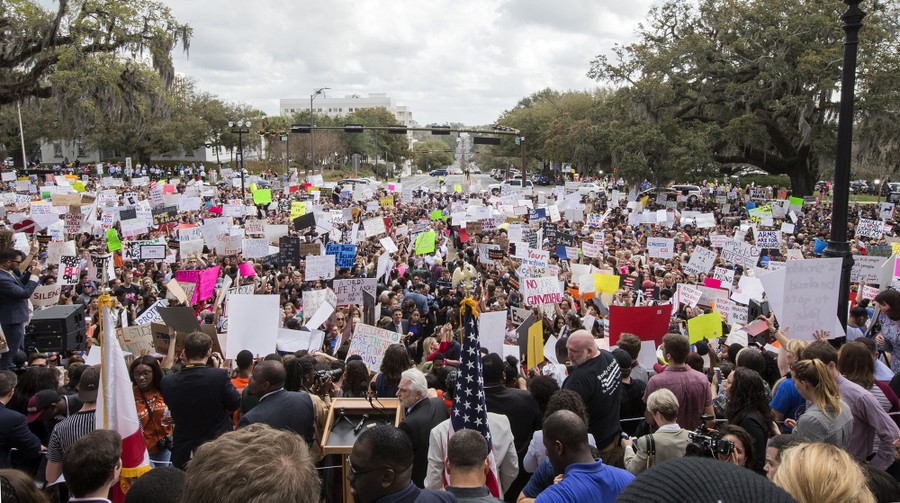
240,127
838,246
312,128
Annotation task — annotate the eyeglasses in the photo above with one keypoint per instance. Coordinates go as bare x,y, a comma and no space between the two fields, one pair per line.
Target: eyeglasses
357,473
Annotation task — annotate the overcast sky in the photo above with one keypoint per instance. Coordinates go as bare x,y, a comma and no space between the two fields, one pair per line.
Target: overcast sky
462,61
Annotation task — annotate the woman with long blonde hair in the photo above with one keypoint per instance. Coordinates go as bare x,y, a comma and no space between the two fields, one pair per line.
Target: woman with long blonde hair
828,419
822,473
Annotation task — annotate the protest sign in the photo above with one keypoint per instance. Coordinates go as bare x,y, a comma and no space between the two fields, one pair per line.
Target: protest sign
299,340
388,244
804,296
344,254
151,314
425,243
136,339
252,324
153,252
289,250
740,253
319,267
310,249
705,326
870,228
768,240
606,283
254,247
69,270
869,292
866,269
374,227
688,295
660,247
46,295
262,196
540,291
726,276
165,215
350,291
649,323
370,343
701,261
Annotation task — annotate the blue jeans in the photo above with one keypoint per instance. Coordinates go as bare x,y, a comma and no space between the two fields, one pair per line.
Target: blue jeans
161,458
15,336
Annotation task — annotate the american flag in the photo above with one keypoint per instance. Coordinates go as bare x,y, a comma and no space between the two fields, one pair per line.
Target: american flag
469,409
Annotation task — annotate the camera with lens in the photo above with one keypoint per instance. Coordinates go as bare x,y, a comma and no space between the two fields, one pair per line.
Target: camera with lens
164,443
708,443
324,375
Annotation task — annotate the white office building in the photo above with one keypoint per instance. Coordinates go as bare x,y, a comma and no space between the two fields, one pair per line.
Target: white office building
333,107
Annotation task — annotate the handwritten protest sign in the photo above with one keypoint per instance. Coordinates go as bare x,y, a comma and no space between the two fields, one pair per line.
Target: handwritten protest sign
866,269
768,239
540,291
46,295
344,254
350,291
425,243
374,227
370,343
688,294
151,314
870,228
319,267
701,261
740,253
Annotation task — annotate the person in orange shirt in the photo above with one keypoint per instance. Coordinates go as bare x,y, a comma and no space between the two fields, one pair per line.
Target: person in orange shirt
244,363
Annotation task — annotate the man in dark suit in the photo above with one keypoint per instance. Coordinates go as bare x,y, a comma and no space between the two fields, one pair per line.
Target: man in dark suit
516,404
397,323
279,408
200,399
14,432
14,295
422,415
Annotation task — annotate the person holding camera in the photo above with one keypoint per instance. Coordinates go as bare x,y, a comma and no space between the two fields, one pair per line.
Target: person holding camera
668,442
146,375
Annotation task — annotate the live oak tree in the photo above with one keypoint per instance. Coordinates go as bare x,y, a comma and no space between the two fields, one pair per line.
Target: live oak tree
754,83
37,44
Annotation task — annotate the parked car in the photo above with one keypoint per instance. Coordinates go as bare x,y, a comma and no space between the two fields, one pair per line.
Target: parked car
691,192
358,181
439,172
455,171
590,189
542,180
497,188
474,170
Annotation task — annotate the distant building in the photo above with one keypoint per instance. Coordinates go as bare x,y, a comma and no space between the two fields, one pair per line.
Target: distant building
55,152
333,107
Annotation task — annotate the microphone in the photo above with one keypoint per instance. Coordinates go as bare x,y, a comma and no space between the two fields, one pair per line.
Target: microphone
358,427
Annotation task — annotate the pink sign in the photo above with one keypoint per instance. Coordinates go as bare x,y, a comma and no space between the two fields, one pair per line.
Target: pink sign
206,285
246,269
712,283
897,267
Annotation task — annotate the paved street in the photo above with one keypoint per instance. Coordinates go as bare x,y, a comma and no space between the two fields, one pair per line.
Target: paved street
431,182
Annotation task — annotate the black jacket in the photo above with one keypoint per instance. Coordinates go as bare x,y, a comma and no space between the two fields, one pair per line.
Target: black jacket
200,400
419,422
14,433
285,410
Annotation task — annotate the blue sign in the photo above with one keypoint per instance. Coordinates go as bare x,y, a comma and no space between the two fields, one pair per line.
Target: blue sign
344,255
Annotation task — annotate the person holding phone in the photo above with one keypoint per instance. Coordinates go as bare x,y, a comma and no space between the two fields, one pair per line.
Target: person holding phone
15,290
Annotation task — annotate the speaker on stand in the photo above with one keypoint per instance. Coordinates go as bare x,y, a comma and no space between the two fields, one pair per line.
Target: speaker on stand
57,329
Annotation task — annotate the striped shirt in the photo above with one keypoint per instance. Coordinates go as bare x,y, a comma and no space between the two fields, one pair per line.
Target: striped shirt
67,432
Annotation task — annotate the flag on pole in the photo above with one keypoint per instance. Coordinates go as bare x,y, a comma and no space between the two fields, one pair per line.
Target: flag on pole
469,409
115,404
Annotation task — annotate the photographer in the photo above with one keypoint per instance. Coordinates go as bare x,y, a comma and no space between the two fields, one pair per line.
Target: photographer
668,442
735,445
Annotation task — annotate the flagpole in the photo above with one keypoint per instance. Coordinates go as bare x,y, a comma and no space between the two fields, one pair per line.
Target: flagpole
104,301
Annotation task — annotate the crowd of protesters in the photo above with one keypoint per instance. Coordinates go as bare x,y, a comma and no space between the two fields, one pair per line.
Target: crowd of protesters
793,417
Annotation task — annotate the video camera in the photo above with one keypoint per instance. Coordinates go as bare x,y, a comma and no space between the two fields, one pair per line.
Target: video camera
707,442
324,375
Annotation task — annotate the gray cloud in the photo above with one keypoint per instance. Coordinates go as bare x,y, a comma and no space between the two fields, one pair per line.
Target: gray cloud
462,61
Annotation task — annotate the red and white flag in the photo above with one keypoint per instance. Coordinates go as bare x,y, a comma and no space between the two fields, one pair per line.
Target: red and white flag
116,407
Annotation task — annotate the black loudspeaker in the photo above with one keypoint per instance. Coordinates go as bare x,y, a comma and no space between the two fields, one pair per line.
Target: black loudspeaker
58,329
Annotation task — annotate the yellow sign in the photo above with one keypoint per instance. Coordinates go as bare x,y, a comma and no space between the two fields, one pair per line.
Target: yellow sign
606,283
707,326
298,209
387,202
535,344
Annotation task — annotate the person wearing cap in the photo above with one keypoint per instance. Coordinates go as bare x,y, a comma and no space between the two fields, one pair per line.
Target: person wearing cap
14,432
42,406
72,428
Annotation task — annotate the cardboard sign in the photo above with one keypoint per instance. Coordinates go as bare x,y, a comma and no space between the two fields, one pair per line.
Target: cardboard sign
740,253
153,252
180,318
866,269
540,291
770,240
350,291
370,343
136,339
310,249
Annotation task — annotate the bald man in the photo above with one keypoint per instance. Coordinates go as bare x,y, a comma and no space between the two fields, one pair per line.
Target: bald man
279,408
597,378
584,479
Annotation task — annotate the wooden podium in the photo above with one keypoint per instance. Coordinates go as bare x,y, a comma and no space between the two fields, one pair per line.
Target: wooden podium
347,419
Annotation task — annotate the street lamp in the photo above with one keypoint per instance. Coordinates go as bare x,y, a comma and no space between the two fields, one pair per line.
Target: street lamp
312,121
877,191
838,247
240,127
